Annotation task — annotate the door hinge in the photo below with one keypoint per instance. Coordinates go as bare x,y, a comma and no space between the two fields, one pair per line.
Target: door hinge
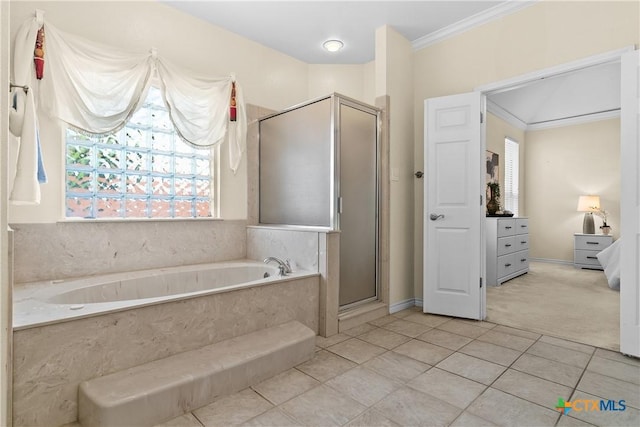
481,282
481,117
481,200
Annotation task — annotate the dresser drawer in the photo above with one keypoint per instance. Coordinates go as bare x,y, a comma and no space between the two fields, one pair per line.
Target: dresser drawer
521,242
506,245
592,242
586,257
522,226
506,227
505,265
521,260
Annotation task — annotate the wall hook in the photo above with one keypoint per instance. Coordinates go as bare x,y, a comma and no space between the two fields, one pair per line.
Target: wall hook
419,174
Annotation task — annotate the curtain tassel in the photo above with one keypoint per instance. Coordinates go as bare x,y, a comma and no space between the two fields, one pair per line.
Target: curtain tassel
38,54
232,103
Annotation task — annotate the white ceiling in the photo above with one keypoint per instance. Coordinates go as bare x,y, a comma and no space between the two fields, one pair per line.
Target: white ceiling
298,29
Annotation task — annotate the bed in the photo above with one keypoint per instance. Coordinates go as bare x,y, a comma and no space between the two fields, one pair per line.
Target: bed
610,260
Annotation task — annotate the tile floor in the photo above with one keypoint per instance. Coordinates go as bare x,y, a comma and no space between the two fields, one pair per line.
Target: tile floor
413,369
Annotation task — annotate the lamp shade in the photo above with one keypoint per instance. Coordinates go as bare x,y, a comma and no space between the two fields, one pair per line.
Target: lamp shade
588,203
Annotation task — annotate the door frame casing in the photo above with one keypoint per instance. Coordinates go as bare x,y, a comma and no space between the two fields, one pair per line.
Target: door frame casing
512,83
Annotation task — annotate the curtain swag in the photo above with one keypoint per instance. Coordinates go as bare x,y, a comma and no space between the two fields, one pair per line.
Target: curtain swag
96,89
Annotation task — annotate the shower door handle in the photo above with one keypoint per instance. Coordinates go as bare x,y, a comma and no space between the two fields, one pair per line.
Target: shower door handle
434,217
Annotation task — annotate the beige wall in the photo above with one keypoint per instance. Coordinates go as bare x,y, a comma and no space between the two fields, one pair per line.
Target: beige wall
325,79
562,164
394,64
546,34
497,131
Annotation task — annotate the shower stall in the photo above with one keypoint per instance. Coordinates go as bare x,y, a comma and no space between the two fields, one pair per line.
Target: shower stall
320,167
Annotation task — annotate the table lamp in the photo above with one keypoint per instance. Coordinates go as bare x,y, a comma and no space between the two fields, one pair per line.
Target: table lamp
588,204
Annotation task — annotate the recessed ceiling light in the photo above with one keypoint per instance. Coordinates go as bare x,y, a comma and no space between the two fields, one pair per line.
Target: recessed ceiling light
333,45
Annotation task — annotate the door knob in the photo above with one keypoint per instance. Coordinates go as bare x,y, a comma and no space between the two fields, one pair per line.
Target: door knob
434,217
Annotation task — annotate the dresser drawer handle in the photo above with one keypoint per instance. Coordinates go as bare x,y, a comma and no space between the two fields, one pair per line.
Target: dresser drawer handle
523,260
507,265
508,245
523,226
508,227
593,243
524,242
592,257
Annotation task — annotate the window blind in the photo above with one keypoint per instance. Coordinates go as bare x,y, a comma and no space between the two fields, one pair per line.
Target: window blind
511,175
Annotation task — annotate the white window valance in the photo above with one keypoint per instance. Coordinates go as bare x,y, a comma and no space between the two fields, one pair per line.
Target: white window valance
96,88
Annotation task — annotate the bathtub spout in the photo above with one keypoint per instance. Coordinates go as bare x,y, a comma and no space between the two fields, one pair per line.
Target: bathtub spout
283,266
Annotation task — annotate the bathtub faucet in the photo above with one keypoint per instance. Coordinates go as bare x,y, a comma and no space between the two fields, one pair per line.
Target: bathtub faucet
283,266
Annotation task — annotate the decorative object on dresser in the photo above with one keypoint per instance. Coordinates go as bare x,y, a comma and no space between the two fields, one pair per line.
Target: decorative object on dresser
493,203
507,241
586,247
588,205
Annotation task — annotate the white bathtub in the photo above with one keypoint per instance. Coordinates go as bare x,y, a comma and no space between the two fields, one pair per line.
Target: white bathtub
52,301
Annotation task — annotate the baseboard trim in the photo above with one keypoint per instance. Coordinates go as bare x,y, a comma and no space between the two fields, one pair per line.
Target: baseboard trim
552,261
402,305
419,302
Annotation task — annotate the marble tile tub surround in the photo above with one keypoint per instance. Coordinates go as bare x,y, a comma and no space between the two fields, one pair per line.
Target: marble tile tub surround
77,249
431,385
50,361
298,246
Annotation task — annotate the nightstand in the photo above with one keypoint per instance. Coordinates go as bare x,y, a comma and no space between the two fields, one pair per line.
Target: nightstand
586,247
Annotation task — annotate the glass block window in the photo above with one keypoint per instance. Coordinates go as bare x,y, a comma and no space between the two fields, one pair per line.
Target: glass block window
142,171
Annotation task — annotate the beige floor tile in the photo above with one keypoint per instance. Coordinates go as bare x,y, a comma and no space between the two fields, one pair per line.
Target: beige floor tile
629,417
232,410
491,352
612,368
430,320
516,332
504,409
356,350
384,338
559,354
478,323
407,311
333,339
503,339
271,418
186,420
396,366
372,418
568,344
383,320
325,365
363,385
551,370
285,386
567,421
423,351
462,328
469,420
472,368
544,393
410,329
618,357
408,407
610,388
323,406
451,388
360,329
445,339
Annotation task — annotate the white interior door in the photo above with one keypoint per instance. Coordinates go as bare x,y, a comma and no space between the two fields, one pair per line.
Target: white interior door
630,206
453,207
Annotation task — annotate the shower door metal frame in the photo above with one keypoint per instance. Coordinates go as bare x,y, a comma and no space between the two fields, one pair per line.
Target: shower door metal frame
338,101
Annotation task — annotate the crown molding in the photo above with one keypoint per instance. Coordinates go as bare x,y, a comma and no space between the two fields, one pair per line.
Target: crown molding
500,112
491,14
570,121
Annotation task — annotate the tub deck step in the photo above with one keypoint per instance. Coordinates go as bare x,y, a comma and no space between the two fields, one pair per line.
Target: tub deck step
164,389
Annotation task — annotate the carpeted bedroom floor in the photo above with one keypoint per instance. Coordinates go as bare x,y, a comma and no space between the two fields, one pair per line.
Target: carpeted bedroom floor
561,301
